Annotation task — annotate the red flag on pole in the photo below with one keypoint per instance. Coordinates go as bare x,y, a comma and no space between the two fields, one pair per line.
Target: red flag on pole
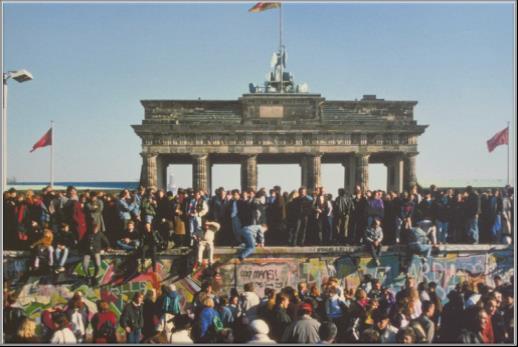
46,140
263,6
500,138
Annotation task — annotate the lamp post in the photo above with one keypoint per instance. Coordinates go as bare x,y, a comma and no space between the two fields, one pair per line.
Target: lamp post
19,76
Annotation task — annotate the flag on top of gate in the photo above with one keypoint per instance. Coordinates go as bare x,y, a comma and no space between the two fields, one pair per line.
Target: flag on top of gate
46,140
263,6
500,138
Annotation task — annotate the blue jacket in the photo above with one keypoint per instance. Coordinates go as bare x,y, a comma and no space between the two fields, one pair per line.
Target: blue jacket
206,319
124,209
256,232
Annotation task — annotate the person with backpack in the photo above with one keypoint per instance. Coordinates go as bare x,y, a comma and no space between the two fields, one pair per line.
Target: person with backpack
104,324
169,307
209,323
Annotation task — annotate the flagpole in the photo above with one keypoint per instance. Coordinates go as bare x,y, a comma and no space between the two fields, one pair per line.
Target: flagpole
508,140
51,153
280,47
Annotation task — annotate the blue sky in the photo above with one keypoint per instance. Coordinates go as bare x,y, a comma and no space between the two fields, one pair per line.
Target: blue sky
92,63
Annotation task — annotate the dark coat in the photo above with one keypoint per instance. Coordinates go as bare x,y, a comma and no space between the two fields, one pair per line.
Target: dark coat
132,316
95,243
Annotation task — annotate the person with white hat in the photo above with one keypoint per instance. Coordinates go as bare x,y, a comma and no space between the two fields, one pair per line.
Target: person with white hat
261,331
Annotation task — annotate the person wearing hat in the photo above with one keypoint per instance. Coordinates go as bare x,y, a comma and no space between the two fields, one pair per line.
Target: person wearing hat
261,331
372,239
305,329
205,240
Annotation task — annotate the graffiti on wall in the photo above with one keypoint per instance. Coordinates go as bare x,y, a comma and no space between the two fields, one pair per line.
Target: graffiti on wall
118,285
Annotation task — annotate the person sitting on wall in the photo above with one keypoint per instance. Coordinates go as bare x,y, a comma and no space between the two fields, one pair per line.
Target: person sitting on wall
252,234
129,240
65,241
43,250
372,239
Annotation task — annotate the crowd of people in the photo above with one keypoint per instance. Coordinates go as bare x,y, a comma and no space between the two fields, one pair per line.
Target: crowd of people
52,224
476,313
145,221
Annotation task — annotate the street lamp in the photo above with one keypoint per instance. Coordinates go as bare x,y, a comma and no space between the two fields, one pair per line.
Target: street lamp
19,76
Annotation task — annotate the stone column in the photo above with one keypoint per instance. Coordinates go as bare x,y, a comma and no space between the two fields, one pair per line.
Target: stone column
200,172
149,170
249,172
350,174
209,178
362,171
303,172
410,175
161,168
395,174
314,171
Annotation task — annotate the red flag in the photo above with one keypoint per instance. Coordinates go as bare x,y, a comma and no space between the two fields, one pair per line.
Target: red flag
500,138
46,140
263,6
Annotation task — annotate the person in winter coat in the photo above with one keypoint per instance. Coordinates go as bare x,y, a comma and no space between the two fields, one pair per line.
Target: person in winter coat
207,321
78,315
343,210
92,245
64,241
373,238
261,331
151,241
148,207
197,208
129,240
43,250
182,330
94,210
63,335
169,307
74,214
249,301
304,330
206,241
252,234
104,324
132,319
179,203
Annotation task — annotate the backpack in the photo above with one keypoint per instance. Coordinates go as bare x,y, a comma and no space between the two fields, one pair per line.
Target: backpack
217,324
106,330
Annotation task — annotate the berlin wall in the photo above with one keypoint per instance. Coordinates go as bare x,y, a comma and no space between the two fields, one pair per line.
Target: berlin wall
274,267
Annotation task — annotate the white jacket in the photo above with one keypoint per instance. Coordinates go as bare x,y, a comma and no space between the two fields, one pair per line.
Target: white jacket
64,337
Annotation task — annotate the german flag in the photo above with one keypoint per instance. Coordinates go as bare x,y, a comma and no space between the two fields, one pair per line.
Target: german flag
263,6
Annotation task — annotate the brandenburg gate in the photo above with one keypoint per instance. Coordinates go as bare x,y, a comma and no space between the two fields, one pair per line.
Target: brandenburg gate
280,123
